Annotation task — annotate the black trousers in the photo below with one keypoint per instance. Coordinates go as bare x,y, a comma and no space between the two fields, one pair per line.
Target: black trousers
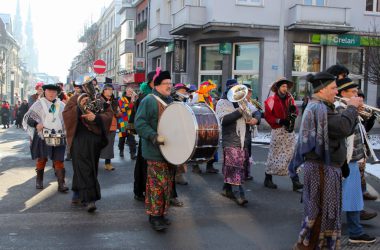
140,173
131,143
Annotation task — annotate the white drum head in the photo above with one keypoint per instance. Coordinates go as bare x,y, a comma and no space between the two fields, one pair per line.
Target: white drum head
177,125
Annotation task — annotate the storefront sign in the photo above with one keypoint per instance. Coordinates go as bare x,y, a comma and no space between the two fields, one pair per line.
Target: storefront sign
345,40
340,40
180,50
169,48
225,48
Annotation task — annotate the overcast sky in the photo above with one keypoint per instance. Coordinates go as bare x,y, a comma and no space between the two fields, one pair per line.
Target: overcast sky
57,25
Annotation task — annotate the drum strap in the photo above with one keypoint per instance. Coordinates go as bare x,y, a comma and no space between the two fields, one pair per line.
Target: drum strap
161,105
160,100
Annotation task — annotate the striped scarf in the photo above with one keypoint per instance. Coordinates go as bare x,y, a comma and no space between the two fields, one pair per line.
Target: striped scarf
126,110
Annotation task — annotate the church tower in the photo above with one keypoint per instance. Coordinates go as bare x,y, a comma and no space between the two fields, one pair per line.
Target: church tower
31,55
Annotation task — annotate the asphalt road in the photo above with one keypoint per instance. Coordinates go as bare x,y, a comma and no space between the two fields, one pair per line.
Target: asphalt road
33,219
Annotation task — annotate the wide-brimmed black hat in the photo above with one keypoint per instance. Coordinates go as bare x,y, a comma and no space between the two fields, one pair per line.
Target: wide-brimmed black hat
51,86
277,84
320,80
345,83
338,69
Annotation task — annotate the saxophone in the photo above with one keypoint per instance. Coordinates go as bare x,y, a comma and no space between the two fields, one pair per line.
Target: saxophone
292,115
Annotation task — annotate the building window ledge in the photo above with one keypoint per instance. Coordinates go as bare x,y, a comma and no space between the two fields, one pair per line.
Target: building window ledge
371,13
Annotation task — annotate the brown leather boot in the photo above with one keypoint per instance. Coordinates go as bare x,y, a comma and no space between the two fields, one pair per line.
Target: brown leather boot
61,180
39,178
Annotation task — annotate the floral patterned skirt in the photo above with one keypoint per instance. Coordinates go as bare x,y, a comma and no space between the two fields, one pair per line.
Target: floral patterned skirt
281,150
328,230
158,188
235,163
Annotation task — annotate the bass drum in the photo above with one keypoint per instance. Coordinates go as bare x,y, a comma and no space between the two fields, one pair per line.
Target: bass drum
191,133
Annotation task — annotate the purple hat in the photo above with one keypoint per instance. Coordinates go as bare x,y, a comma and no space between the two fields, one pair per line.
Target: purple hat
181,86
192,87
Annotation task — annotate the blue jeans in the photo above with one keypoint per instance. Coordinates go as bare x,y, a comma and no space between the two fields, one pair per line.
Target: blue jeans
353,223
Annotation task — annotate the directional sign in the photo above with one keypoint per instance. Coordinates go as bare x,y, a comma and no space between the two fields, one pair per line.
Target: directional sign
99,66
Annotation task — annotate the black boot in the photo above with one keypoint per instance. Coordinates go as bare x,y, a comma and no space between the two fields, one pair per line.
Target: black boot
268,182
39,178
157,223
60,173
121,153
296,183
210,169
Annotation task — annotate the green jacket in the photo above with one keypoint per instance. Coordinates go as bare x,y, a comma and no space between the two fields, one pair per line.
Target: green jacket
146,122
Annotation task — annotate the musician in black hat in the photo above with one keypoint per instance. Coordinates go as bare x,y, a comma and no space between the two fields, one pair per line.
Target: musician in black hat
352,198
160,173
43,121
321,148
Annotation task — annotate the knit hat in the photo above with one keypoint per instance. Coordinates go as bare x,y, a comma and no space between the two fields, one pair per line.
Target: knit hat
39,84
159,77
107,86
192,88
277,84
230,83
320,80
345,83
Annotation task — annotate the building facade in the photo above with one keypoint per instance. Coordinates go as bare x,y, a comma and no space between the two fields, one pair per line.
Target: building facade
257,41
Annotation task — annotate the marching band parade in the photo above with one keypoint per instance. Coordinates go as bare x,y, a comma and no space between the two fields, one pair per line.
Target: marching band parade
190,124
329,153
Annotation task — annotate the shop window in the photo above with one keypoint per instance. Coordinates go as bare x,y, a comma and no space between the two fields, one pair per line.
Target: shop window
210,65
217,79
210,58
372,5
306,59
250,2
246,65
352,59
253,81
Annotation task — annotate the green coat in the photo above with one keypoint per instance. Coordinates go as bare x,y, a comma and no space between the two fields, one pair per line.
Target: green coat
146,122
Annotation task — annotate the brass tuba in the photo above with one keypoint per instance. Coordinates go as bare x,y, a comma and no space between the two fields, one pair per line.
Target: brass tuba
238,94
93,104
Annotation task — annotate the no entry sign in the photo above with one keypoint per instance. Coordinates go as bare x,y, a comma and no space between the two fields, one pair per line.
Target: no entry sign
99,66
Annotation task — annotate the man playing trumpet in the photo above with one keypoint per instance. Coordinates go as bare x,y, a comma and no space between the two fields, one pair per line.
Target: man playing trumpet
352,198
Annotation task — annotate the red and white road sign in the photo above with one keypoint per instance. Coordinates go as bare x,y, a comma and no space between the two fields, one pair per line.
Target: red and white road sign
99,66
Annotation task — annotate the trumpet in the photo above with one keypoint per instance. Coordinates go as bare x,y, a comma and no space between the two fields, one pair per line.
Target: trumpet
365,113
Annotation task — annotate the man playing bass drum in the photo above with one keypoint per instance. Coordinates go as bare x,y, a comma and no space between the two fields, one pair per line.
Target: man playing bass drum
280,113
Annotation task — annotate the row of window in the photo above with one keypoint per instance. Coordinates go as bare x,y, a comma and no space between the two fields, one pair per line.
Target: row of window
106,29
141,49
246,59
142,16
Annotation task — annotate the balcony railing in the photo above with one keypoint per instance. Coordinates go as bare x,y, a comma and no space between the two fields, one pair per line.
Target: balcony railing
319,18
